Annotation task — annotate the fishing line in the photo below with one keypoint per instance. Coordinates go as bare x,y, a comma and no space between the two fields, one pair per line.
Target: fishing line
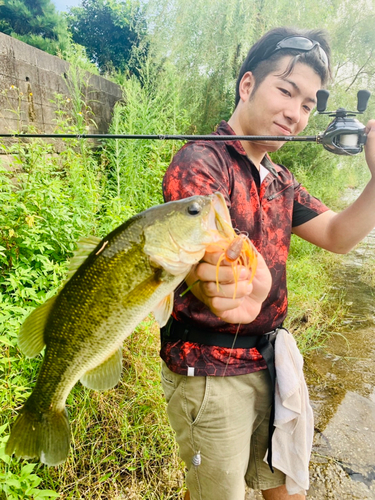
231,349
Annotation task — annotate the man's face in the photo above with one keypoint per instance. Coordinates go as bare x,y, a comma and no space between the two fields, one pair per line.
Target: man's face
279,105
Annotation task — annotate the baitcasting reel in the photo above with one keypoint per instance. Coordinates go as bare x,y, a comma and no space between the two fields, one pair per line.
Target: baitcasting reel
345,135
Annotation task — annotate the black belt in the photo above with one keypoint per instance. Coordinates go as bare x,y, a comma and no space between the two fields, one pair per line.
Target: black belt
174,331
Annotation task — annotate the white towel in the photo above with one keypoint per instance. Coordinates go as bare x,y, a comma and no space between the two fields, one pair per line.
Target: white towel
294,420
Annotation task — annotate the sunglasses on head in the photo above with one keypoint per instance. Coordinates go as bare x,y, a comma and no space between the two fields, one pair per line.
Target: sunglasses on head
302,44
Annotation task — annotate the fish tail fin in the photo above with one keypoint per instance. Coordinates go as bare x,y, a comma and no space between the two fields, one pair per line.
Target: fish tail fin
42,435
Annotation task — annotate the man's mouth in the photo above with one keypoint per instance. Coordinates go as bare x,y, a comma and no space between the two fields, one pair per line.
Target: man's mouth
284,128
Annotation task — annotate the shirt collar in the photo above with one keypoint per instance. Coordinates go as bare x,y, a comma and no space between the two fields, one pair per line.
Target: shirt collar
225,129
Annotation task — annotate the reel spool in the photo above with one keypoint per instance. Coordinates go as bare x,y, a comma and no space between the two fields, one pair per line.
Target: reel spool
345,135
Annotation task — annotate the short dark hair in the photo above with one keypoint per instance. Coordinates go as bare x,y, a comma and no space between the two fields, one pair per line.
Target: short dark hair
261,58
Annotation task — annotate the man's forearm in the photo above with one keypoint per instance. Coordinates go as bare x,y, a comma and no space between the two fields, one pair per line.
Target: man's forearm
350,226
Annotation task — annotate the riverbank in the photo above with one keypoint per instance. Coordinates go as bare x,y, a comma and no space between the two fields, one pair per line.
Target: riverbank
341,377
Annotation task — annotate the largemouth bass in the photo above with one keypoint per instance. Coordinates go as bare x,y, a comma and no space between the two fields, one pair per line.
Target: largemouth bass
114,283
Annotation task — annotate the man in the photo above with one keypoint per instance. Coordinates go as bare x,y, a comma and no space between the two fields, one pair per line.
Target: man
220,394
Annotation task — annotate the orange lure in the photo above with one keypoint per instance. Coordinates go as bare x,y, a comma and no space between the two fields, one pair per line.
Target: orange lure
239,251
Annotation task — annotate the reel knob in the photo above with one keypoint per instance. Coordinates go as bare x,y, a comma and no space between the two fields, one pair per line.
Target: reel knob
362,99
321,98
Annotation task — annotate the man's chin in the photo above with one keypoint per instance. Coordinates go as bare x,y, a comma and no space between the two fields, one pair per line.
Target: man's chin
271,146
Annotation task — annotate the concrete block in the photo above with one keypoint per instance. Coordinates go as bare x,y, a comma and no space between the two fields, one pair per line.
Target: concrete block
32,70
27,72
24,53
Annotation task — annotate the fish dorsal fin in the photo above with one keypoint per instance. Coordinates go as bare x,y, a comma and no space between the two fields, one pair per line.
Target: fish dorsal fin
164,309
31,335
84,247
106,375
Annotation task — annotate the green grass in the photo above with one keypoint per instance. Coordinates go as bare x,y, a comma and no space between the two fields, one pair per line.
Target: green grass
121,440
316,307
122,446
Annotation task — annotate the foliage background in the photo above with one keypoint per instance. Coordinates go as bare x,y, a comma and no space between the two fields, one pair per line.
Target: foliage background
178,76
35,22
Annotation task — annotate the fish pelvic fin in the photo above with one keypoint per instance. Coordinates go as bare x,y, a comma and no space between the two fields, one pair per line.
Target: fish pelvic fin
164,309
45,436
31,334
106,375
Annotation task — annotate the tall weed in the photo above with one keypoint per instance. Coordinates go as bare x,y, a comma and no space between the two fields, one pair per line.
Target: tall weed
123,443
151,106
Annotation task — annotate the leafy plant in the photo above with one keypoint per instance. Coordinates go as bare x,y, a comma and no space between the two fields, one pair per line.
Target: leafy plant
18,481
151,105
35,22
109,29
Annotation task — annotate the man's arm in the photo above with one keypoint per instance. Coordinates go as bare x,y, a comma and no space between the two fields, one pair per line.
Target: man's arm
340,232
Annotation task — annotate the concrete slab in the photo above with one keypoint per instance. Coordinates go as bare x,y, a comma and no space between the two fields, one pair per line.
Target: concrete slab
32,70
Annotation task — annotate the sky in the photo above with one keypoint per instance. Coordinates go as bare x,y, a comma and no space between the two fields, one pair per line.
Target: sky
65,4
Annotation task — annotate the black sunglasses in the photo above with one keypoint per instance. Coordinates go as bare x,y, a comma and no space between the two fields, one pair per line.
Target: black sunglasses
303,44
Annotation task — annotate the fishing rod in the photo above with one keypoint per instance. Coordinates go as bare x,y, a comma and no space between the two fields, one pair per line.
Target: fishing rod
345,135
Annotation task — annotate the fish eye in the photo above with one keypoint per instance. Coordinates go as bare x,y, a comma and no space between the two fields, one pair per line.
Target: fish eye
194,208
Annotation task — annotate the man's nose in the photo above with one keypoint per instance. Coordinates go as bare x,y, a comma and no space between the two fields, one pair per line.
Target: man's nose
293,111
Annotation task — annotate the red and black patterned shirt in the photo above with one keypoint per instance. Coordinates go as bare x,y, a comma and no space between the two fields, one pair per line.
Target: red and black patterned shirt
266,211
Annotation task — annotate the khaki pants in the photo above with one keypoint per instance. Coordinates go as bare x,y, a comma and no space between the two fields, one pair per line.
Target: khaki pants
222,422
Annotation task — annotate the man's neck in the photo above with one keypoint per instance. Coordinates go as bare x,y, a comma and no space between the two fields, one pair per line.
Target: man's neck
252,149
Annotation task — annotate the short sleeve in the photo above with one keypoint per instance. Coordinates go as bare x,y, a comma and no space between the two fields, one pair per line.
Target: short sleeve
305,206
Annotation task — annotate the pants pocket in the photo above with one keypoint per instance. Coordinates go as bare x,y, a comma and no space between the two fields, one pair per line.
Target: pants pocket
195,398
169,381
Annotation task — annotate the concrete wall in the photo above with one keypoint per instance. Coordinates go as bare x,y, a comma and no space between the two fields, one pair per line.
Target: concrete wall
29,79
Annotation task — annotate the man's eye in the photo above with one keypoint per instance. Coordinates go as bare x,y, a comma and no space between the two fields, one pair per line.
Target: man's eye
307,108
285,92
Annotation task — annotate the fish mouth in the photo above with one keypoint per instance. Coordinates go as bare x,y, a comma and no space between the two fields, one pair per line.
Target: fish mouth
219,219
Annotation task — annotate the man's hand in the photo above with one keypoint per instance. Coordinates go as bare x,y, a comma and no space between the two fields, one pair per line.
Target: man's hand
249,297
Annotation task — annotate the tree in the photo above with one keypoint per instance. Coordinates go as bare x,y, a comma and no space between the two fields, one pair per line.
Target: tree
109,29
207,42
35,22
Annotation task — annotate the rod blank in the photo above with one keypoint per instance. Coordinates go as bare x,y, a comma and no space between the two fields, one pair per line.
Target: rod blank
283,138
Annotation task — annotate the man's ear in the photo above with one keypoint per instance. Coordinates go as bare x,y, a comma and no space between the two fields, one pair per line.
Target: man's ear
246,86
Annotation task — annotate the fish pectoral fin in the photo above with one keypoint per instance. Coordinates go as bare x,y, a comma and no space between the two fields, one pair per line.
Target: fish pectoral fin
84,247
31,335
106,375
164,309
